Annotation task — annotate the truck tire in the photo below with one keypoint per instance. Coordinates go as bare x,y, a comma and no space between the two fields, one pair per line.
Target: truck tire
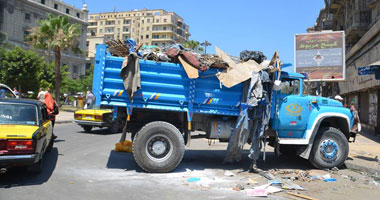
87,128
158,147
330,148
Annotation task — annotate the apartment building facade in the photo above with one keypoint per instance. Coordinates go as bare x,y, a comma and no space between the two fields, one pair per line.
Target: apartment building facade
147,27
17,17
360,21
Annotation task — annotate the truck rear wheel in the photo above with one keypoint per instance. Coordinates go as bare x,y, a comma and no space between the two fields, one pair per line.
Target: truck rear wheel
158,147
330,148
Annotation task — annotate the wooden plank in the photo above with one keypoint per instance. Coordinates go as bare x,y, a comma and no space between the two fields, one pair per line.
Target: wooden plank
301,196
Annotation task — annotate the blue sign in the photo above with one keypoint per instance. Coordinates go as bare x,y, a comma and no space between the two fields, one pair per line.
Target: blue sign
366,70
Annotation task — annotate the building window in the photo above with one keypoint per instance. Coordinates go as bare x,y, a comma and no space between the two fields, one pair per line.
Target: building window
147,28
165,20
100,30
157,20
125,29
147,36
142,37
67,11
101,23
43,1
142,21
163,36
118,22
56,6
148,21
118,30
26,33
78,15
156,44
127,21
155,36
87,43
163,44
27,16
164,28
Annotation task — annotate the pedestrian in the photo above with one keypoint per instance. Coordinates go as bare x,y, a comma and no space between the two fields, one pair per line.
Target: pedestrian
339,98
90,99
16,92
41,95
49,101
356,128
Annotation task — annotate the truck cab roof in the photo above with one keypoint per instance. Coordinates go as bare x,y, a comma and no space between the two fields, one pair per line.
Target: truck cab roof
285,74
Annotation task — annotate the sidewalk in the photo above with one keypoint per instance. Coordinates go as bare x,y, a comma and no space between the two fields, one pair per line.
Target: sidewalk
363,153
64,117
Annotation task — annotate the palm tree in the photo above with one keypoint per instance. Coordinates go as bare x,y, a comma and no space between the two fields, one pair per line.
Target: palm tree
191,44
56,34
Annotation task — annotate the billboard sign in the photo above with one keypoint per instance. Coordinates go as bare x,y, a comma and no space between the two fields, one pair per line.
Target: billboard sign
320,55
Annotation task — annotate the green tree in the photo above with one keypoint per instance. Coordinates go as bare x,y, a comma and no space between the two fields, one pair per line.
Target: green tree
56,34
191,44
20,68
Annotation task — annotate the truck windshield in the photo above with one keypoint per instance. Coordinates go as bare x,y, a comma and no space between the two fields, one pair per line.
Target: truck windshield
290,86
18,114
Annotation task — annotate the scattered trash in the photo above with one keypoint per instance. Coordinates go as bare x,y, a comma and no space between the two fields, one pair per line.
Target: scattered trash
270,189
252,180
267,175
287,185
238,187
301,196
71,182
228,173
329,180
376,183
326,176
316,177
349,177
194,179
276,182
335,170
125,146
256,192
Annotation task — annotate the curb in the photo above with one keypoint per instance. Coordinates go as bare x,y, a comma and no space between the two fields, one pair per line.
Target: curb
355,166
64,122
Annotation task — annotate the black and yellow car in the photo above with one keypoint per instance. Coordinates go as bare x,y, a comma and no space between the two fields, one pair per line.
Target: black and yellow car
25,133
90,118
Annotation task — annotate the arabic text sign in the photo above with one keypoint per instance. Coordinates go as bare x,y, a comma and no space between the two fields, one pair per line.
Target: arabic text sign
320,55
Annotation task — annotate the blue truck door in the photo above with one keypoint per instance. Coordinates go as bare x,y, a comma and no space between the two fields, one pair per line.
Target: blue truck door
293,110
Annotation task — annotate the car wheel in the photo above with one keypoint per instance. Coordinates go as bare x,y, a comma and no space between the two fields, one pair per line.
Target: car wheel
87,128
158,147
330,148
36,168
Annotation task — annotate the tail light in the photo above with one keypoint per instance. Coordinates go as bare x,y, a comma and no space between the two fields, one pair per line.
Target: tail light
98,117
20,146
77,116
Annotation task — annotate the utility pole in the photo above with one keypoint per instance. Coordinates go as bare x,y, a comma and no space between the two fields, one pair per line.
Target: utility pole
205,44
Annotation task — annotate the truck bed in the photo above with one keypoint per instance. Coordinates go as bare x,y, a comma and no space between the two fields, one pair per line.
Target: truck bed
164,86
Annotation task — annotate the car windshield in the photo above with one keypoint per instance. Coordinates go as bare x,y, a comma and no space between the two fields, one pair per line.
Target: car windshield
20,114
289,86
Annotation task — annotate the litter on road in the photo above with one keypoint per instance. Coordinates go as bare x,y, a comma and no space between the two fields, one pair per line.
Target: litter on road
256,193
194,179
301,196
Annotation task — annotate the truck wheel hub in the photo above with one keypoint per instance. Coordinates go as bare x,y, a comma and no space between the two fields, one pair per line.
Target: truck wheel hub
159,147
329,149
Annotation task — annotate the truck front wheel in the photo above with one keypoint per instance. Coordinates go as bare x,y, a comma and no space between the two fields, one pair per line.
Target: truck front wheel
158,147
330,148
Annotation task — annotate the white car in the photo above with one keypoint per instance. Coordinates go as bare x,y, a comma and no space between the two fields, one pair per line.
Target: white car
6,92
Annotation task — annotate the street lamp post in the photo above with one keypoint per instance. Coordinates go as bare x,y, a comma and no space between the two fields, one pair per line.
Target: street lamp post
206,44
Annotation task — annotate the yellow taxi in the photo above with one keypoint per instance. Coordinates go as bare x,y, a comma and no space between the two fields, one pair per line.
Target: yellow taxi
90,118
25,134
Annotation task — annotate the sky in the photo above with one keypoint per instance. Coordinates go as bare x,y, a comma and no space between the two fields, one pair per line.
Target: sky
233,26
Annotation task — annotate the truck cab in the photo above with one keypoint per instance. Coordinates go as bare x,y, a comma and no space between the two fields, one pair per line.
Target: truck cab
317,128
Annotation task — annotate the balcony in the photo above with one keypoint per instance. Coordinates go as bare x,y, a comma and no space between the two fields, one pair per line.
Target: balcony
162,31
162,39
357,25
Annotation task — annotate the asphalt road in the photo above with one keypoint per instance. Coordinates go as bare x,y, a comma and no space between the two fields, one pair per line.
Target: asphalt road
84,166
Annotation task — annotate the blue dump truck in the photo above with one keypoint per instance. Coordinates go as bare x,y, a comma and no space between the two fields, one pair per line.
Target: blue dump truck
169,106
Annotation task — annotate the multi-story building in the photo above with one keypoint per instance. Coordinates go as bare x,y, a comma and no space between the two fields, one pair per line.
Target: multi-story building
360,21
17,17
147,27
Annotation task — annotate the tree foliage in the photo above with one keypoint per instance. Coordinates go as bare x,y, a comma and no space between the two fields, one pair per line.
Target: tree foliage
191,44
56,34
21,69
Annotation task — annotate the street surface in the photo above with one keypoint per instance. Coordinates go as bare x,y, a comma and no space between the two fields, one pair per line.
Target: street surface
84,166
